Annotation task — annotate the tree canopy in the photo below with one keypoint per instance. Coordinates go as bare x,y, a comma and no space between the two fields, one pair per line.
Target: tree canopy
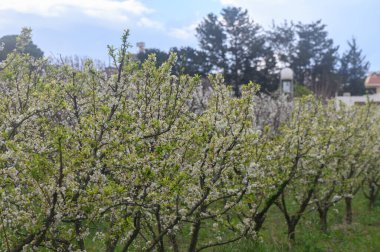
236,46
232,44
123,161
11,43
353,69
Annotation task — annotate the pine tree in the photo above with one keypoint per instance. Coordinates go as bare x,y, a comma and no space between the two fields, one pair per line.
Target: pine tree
235,46
316,58
191,61
282,39
353,70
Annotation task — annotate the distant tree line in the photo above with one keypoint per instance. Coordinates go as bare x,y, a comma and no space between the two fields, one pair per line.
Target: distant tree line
239,48
233,44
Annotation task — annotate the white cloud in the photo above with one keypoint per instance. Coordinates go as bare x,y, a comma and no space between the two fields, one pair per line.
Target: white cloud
252,2
293,3
264,11
184,33
102,9
151,24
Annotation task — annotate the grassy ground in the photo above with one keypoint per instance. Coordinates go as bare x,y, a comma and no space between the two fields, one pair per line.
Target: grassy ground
362,236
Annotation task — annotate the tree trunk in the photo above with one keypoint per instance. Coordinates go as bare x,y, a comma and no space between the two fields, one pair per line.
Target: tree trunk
173,241
161,247
111,245
194,236
372,196
78,233
292,223
259,220
323,219
237,89
135,232
372,201
348,201
291,231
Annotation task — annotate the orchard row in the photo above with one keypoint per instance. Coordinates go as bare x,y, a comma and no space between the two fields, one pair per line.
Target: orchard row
140,159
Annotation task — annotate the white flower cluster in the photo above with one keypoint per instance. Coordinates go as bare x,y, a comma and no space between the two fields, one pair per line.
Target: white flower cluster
138,158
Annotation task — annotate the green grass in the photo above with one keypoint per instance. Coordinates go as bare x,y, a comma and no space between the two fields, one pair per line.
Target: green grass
362,235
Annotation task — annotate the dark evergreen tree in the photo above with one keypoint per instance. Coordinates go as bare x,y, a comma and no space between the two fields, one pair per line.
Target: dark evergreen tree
212,40
316,58
353,69
191,61
9,43
282,39
235,46
161,56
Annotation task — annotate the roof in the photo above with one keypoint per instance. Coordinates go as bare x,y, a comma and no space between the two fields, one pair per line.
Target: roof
372,80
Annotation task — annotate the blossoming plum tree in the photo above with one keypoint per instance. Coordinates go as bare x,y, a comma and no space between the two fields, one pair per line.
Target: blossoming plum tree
131,161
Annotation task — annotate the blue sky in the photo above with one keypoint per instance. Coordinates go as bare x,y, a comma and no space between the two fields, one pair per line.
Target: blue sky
85,27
